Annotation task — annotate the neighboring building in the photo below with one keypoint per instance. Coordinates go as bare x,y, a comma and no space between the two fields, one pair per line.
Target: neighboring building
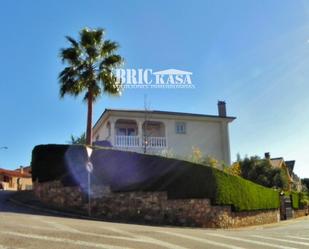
26,169
18,179
158,131
296,185
287,166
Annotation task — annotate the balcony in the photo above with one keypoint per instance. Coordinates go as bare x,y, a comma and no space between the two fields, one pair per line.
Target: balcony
127,141
155,142
135,141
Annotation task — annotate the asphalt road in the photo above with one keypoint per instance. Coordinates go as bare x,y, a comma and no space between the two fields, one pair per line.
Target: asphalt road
24,228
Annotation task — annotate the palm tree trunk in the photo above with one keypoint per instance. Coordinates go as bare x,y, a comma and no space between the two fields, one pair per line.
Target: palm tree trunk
89,119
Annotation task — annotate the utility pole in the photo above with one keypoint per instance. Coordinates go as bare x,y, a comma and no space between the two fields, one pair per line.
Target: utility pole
89,168
145,125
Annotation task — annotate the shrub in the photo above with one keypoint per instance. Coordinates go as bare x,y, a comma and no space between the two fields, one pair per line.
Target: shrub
303,199
299,199
305,183
234,169
129,171
261,172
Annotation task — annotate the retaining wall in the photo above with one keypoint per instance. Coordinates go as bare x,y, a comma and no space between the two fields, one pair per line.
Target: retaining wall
150,207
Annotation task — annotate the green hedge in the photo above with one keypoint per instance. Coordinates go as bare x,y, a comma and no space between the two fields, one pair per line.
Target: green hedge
129,171
299,199
303,199
243,194
295,200
49,162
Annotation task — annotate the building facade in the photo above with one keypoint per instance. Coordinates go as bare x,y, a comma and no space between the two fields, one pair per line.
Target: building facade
19,179
158,131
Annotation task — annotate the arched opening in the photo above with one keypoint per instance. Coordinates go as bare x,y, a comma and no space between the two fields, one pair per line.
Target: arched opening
153,129
153,135
126,127
126,133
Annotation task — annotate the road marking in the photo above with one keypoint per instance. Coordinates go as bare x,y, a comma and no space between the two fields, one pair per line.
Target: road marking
142,239
61,240
283,240
206,241
5,247
147,239
57,225
14,224
82,233
250,241
296,237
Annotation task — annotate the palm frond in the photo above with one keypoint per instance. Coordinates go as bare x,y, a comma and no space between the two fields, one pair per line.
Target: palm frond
110,82
70,55
96,92
109,47
98,35
72,41
71,87
111,62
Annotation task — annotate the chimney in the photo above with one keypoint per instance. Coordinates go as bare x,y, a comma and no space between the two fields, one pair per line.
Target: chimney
221,108
21,169
267,155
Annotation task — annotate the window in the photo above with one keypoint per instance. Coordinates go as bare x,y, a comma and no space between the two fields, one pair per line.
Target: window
126,132
122,132
131,132
180,127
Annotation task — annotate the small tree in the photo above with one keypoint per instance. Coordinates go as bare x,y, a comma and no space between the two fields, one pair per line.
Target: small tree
78,140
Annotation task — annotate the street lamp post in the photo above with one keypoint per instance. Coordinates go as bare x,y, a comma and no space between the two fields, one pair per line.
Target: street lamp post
89,168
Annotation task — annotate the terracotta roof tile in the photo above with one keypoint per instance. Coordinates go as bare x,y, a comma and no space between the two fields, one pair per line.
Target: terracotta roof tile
14,173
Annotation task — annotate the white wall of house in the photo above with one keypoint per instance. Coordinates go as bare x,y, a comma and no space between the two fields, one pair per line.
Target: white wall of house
209,134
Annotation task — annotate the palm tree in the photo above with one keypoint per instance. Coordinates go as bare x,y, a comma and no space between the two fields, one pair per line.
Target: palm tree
91,62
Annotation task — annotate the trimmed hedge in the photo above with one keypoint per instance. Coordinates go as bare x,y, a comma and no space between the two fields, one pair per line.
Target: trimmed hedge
295,200
49,162
299,199
129,171
303,199
243,194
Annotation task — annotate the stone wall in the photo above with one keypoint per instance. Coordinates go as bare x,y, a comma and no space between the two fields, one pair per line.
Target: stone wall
150,207
300,212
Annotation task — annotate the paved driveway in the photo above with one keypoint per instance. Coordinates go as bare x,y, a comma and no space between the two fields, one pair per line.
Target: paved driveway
23,228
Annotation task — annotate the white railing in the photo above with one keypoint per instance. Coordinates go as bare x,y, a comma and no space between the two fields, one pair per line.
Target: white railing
156,142
134,141
126,141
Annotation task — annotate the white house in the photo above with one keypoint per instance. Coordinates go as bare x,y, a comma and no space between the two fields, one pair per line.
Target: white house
157,131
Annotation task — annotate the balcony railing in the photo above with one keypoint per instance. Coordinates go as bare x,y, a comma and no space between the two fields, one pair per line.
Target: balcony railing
127,141
155,142
135,141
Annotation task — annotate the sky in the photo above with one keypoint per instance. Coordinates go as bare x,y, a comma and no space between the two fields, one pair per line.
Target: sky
252,54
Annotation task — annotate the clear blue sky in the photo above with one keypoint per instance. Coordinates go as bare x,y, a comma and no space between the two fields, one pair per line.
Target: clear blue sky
252,54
